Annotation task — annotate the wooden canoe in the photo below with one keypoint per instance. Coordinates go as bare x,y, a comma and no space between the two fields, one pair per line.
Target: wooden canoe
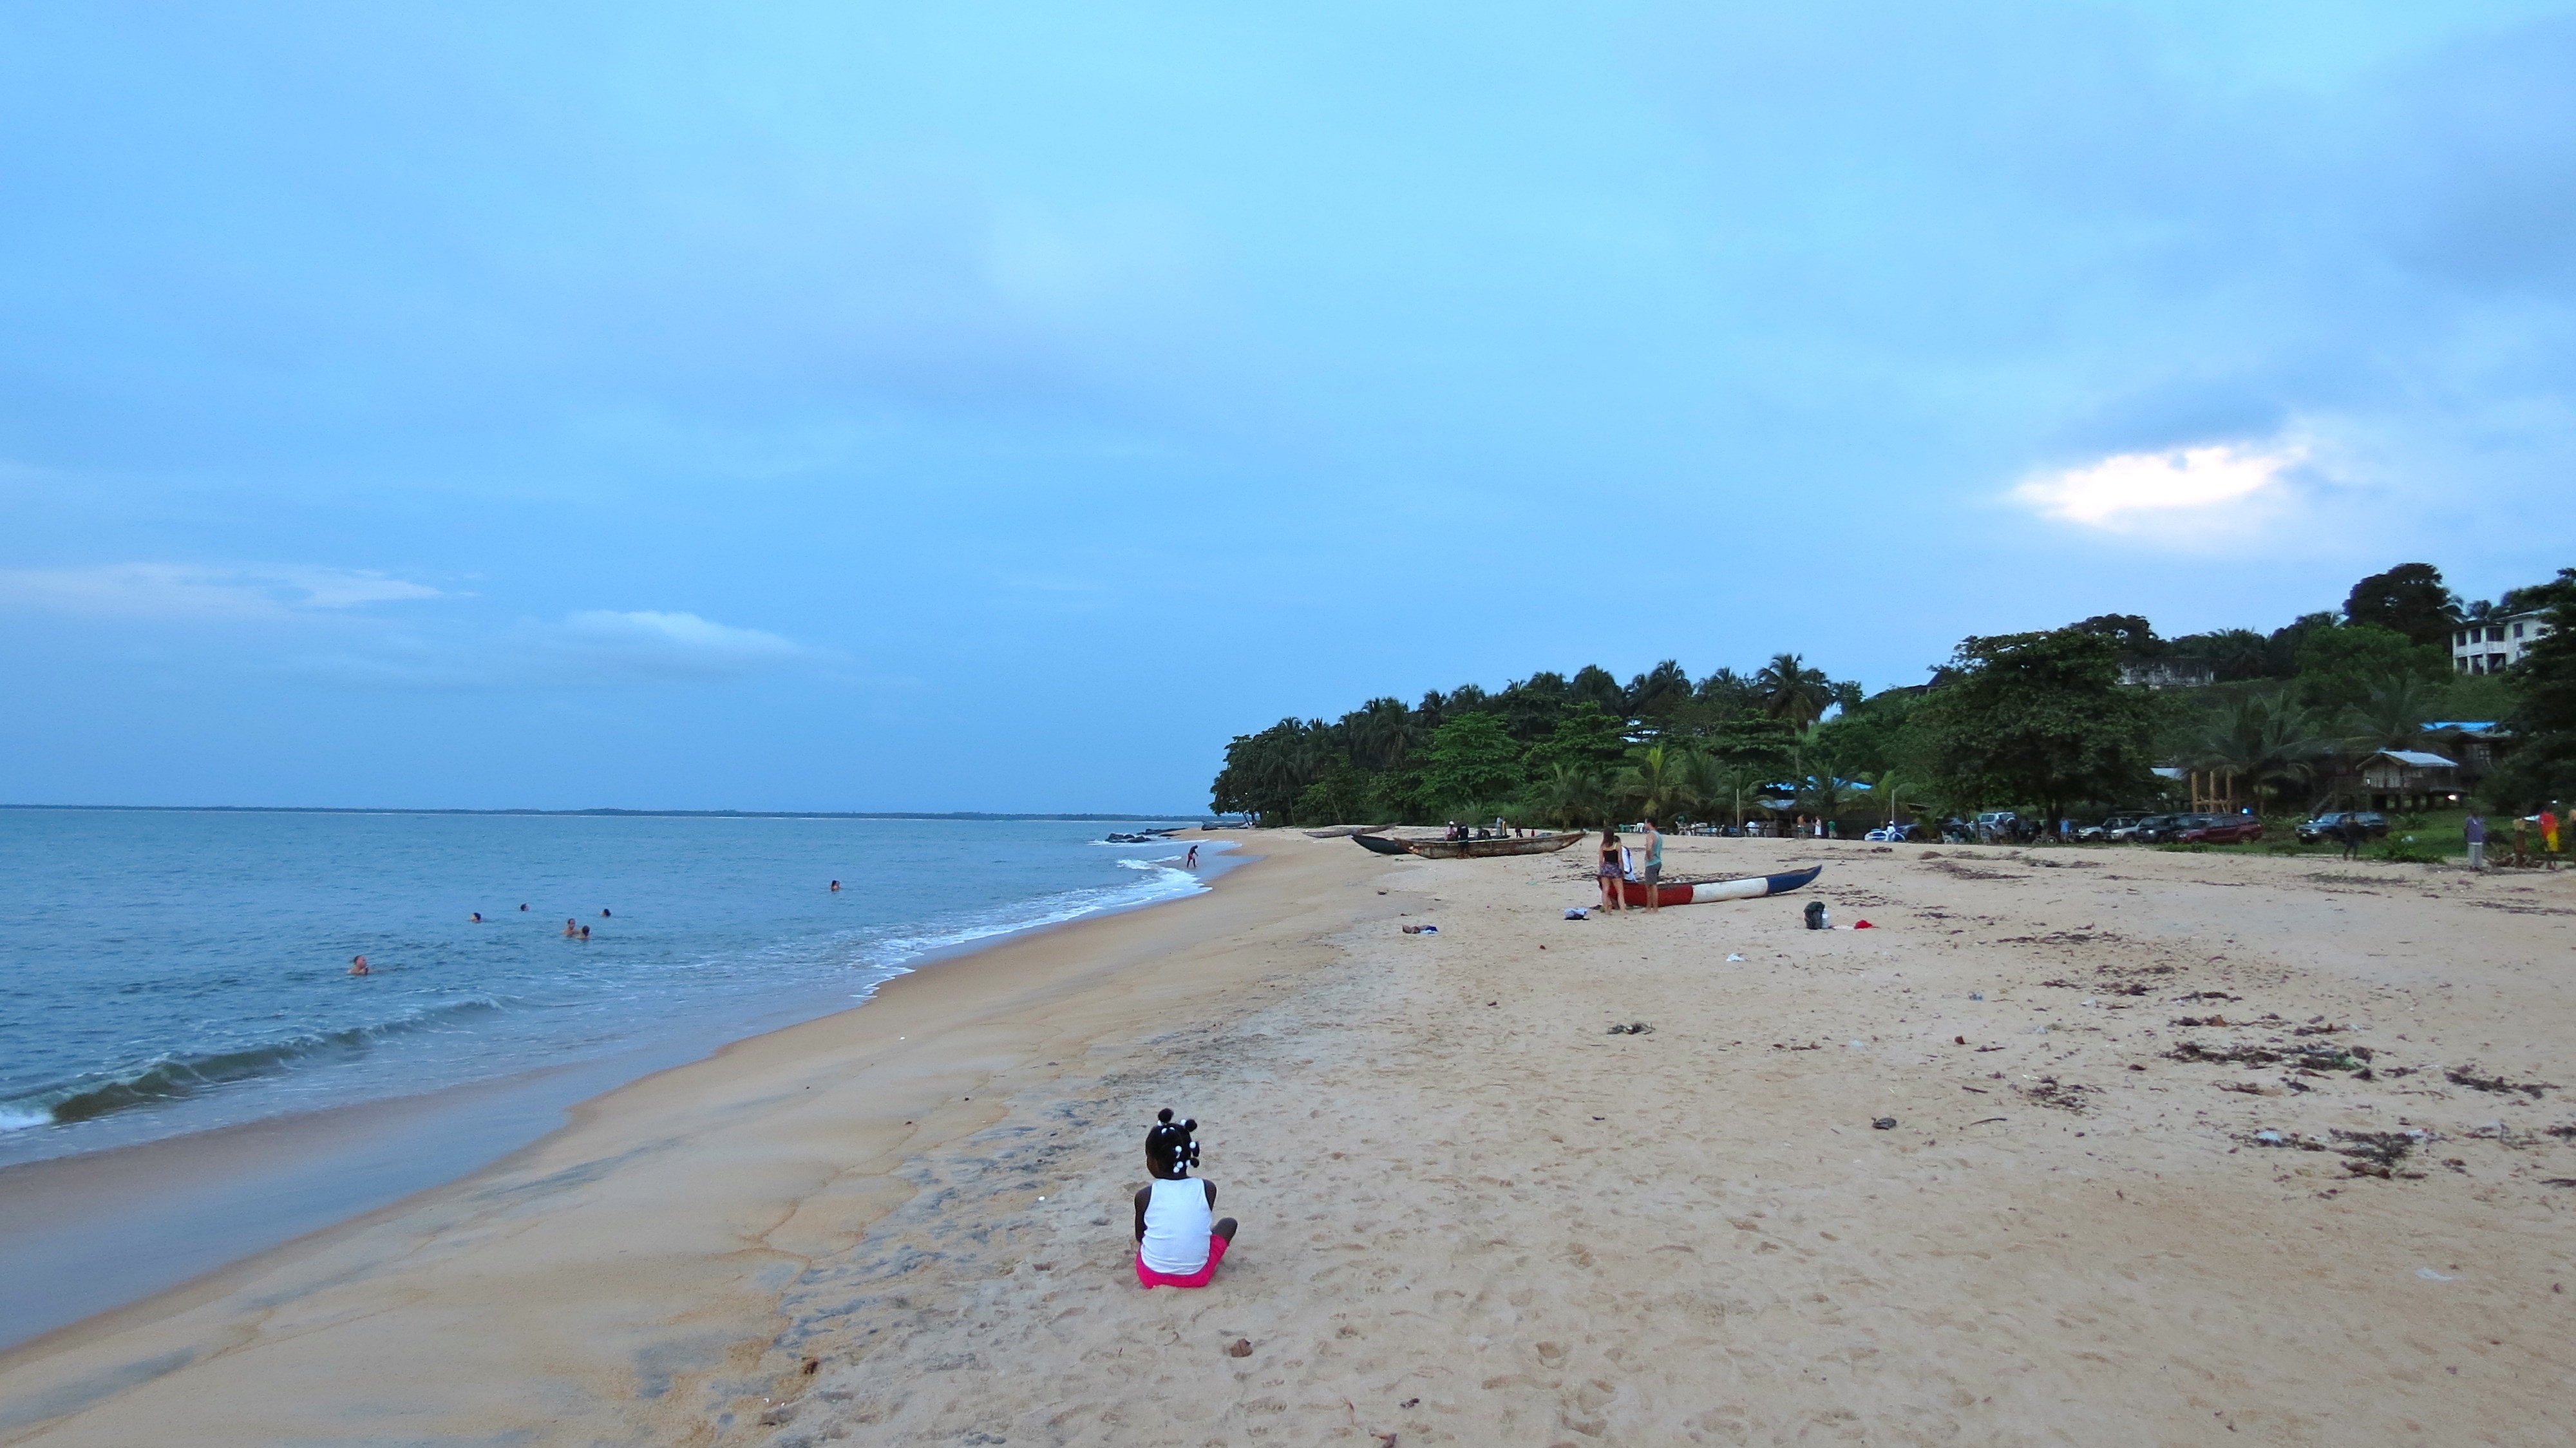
1701,892
1343,831
1488,849
1383,847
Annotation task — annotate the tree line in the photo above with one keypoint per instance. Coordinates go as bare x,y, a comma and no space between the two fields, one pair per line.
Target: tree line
2057,721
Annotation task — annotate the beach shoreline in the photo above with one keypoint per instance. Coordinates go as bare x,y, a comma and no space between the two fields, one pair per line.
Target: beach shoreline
90,1232
913,1008
1474,1214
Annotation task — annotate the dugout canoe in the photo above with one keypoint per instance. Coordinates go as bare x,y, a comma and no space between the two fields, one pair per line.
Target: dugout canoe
1701,892
1383,847
1487,849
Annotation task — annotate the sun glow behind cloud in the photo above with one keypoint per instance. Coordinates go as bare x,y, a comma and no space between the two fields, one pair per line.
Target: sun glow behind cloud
2131,488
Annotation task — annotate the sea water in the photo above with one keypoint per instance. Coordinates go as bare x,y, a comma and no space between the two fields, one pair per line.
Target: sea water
171,971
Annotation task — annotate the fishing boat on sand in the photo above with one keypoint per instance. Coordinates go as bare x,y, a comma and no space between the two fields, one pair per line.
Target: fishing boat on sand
1470,849
1343,831
1701,892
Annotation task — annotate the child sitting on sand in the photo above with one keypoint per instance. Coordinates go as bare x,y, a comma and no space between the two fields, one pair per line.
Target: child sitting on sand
1176,1244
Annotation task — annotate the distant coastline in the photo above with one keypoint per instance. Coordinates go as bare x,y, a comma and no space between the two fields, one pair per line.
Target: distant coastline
717,814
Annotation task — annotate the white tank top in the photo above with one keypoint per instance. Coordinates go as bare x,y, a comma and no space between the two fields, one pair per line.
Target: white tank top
1177,1225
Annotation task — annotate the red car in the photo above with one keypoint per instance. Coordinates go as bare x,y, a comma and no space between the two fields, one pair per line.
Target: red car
2223,830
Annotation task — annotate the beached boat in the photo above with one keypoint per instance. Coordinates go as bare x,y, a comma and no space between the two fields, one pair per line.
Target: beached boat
1343,831
1700,892
1383,847
1487,849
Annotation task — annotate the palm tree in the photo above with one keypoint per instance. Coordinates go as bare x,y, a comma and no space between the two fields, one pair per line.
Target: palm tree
2394,715
1659,782
1379,733
2266,740
1569,794
1712,781
1792,691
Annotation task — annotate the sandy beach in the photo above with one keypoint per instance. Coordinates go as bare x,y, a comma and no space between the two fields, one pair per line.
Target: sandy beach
1473,1214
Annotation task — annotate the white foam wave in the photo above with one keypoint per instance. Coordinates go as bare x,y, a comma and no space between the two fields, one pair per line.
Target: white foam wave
15,1120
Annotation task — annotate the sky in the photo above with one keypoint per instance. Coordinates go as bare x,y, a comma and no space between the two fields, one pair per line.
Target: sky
999,406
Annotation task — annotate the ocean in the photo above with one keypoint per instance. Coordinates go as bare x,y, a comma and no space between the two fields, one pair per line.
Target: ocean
165,972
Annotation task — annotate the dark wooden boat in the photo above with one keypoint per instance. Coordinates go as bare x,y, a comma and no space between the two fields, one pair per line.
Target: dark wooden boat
1383,847
1701,892
1488,849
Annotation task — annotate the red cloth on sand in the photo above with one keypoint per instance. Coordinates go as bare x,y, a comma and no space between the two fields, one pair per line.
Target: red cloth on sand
1148,1277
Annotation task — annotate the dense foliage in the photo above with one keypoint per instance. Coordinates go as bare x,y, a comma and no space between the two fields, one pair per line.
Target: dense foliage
2052,722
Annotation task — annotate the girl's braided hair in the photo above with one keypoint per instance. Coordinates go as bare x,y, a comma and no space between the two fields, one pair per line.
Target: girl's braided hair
1171,1144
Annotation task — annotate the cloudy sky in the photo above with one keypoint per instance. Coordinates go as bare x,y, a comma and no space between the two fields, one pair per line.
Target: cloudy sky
998,406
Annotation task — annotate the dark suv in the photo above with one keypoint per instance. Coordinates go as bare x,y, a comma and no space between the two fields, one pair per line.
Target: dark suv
2374,826
2157,829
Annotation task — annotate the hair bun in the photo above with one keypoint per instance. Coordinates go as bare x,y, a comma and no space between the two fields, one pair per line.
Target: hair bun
1164,1115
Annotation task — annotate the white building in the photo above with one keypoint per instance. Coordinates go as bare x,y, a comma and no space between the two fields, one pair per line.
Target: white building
2497,644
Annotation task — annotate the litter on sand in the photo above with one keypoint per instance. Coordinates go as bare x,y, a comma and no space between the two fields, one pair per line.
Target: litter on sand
1421,929
1578,913
1885,1123
1735,957
1863,925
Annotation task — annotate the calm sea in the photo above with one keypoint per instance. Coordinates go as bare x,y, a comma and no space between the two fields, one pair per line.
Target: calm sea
164,972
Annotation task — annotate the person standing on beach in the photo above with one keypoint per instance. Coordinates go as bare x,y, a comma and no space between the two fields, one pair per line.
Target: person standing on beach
1611,894
2353,834
1654,867
2549,831
1191,862
2475,833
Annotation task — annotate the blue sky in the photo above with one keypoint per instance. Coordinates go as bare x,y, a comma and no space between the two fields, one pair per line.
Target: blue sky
998,406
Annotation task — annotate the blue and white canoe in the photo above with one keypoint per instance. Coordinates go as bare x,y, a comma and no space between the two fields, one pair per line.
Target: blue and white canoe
1698,892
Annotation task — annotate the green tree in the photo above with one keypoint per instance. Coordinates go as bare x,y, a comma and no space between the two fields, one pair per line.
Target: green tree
2040,718
2340,667
2542,766
1585,737
1570,794
1792,691
1340,796
1473,760
2410,599
1658,783
2267,740
2393,715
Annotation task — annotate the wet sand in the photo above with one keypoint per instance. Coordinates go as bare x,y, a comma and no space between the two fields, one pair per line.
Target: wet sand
1471,1214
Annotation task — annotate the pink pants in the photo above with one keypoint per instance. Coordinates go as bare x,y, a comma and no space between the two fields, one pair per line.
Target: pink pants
1148,1277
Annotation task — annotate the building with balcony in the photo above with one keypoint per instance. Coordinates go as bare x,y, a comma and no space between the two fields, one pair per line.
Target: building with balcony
2496,644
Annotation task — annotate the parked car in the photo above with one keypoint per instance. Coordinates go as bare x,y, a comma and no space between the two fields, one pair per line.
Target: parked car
2233,829
1890,834
1996,824
2157,829
2118,826
2329,826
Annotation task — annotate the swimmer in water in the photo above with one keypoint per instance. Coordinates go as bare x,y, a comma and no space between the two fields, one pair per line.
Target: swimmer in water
358,965
571,928
478,917
1177,1245
836,887
523,909
603,914
585,934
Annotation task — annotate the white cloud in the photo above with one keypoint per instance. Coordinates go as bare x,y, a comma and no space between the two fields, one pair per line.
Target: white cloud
199,591
663,645
2129,489
589,649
